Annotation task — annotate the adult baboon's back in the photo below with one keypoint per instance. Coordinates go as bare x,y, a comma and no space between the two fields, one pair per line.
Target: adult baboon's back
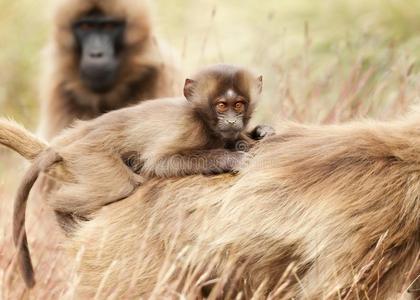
321,212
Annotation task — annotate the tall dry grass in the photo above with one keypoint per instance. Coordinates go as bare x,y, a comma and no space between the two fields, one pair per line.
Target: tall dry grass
322,61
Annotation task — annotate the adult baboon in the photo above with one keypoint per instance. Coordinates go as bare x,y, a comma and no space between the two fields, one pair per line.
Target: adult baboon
321,212
103,55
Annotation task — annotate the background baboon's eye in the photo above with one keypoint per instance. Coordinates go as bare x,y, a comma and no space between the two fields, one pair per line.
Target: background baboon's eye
108,26
86,26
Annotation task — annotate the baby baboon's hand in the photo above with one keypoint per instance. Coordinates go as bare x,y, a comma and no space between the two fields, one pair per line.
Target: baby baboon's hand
262,131
233,162
240,161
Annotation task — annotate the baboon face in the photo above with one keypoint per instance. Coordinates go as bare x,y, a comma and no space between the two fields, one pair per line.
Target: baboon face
99,41
224,96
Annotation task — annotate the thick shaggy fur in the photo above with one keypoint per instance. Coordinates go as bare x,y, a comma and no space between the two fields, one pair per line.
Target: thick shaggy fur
148,69
321,212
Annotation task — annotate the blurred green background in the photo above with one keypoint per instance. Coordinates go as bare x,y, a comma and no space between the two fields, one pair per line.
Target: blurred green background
322,61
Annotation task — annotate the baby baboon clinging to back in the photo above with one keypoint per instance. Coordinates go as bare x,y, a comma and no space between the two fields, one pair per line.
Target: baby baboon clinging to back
103,55
170,137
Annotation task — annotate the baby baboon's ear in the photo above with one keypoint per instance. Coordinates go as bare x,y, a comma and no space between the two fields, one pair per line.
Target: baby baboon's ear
259,84
189,88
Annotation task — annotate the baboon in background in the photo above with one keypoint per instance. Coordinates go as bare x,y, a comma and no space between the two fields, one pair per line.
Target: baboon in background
321,212
103,55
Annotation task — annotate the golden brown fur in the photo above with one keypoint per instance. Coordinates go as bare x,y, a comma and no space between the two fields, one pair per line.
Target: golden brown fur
338,204
148,69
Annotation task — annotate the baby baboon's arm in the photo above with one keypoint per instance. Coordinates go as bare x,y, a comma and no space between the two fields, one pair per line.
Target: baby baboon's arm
213,161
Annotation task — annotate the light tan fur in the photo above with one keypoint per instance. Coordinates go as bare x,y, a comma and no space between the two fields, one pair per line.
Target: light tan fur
147,63
16,137
321,212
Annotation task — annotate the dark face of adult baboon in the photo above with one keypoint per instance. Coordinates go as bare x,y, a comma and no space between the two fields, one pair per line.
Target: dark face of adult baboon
103,55
100,43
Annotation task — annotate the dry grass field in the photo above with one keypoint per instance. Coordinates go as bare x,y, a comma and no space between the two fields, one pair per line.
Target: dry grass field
322,61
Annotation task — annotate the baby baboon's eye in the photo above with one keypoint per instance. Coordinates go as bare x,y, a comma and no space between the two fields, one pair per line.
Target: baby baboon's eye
221,107
239,107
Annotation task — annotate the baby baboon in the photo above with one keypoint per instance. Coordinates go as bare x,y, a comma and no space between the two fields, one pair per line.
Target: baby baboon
167,138
103,55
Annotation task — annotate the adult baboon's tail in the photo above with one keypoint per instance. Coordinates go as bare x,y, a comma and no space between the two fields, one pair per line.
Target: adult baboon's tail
17,138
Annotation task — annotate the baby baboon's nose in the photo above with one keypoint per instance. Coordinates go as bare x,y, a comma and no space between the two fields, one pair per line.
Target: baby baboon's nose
231,122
